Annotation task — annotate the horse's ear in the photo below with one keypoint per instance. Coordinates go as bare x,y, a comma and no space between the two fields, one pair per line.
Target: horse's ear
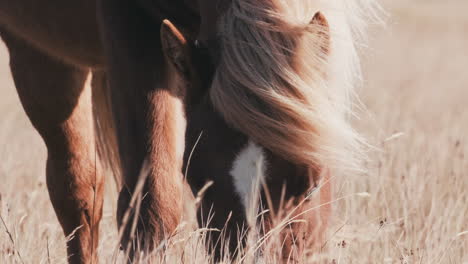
321,27
174,47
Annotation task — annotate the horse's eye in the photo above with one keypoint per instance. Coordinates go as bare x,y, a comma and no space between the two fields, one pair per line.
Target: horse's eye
209,48
203,61
201,50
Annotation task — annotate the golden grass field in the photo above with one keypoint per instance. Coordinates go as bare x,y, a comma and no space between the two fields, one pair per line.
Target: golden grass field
410,207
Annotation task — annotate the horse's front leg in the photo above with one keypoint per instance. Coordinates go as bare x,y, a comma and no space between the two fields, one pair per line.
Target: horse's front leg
59,107
149,121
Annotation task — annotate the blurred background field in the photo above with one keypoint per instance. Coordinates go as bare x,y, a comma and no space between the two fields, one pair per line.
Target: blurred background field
411,206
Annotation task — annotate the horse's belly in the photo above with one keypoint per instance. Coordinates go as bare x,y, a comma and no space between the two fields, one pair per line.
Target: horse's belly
64,29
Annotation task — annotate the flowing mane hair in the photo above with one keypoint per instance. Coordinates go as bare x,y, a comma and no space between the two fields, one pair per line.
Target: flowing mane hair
287,81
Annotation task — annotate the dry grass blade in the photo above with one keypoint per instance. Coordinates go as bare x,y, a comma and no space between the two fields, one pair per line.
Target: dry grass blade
11,239
201,193
48,251
191,154
134,206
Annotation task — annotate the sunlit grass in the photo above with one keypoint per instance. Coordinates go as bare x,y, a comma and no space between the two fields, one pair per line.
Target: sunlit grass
410,207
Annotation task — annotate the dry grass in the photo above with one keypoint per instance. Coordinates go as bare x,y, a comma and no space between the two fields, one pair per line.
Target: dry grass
412,205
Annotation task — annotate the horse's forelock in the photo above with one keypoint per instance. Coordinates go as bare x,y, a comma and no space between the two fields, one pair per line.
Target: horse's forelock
280,84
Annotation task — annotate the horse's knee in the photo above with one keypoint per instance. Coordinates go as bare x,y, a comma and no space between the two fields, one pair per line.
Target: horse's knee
54,97
76,191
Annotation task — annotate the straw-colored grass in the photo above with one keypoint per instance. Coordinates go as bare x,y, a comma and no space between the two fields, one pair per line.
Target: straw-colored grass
411,206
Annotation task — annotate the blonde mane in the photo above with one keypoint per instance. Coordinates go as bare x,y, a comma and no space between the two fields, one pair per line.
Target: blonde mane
288,83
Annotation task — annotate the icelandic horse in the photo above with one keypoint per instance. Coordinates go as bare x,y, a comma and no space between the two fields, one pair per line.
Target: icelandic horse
245,175
272,80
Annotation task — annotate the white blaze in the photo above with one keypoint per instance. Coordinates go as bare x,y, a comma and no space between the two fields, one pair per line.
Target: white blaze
247,172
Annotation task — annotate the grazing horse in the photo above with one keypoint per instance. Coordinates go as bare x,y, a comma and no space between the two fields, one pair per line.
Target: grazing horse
273,80
245,175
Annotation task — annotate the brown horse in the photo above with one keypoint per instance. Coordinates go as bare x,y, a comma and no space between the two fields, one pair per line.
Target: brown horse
270,83
248,178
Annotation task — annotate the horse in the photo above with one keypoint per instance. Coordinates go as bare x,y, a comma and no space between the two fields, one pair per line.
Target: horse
245,175
266,84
